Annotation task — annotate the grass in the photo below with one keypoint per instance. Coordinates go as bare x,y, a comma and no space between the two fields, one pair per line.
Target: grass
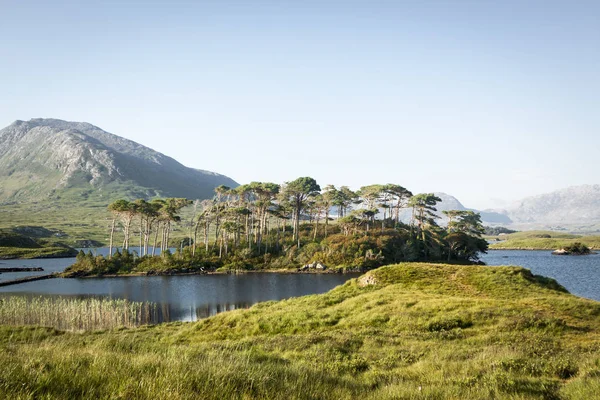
408,331
542,234
74,314
80,212
79,222
543,240
16,245
44,252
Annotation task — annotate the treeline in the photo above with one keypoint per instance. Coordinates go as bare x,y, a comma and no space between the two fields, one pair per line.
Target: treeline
497,230
267,225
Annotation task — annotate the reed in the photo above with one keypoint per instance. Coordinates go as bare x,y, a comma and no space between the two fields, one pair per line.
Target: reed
75,314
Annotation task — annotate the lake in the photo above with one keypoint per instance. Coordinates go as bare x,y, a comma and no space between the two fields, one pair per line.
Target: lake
179,298
189,298
580,275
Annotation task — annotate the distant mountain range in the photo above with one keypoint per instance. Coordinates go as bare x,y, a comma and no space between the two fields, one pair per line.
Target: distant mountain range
572,208
452,203
50,159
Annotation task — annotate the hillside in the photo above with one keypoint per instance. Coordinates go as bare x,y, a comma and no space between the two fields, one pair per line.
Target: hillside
62,175
399,332
46,159
16,245
576,205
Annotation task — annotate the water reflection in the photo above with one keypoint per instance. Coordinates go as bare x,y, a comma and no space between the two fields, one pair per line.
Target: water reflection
191,297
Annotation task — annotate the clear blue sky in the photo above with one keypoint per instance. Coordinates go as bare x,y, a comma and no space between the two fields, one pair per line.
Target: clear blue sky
484,100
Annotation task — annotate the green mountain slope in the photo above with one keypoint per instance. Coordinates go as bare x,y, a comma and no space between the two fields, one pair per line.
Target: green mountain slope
59,173
46,159
408,331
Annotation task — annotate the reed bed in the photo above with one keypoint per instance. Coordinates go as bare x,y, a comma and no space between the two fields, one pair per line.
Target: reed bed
75,314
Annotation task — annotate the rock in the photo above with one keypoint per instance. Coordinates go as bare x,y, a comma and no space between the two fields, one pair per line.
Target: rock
315,265
367,280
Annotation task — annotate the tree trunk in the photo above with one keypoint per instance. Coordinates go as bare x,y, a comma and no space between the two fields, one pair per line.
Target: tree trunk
155,238
206,236
168,235
247,228
112,232
195,237
141,237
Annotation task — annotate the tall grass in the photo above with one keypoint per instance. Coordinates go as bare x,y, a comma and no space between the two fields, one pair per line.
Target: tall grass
74,314
409,331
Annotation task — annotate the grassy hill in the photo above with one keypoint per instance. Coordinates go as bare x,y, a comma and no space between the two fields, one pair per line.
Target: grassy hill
543,240
17,245
408,331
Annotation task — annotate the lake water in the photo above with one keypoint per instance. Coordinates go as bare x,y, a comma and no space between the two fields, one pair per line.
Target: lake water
179,298
580,275
188,298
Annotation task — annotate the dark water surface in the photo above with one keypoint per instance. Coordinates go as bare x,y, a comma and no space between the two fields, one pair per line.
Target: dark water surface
192,297
580,275
179,298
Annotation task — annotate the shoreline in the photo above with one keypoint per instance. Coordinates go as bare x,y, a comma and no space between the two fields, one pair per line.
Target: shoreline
241,272
17,257
529,249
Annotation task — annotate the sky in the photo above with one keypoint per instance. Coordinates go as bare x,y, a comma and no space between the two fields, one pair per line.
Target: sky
489,101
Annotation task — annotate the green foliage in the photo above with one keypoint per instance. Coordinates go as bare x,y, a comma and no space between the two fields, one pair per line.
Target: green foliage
17,245
496,230
45,252
578,248
12,239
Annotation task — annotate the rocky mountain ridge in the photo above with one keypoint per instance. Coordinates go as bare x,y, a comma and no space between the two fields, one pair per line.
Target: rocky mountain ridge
575,206
43,158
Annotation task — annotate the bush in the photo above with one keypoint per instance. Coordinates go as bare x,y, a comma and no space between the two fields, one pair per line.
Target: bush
578,248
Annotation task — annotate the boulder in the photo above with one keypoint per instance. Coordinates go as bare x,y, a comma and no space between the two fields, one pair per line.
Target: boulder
316,265
367,280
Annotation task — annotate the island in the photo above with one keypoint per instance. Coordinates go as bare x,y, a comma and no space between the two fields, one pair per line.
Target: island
263,226
576,249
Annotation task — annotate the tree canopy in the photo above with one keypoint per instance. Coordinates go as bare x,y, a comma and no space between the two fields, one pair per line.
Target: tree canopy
265,223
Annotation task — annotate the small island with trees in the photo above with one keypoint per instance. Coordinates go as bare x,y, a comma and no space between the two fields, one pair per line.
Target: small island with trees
575,249
267,226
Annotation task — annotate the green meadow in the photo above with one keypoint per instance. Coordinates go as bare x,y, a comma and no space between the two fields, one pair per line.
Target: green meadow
542,240
406,331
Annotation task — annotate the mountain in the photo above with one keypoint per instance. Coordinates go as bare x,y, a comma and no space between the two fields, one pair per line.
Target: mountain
578,205
50,159
452,203
576,208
